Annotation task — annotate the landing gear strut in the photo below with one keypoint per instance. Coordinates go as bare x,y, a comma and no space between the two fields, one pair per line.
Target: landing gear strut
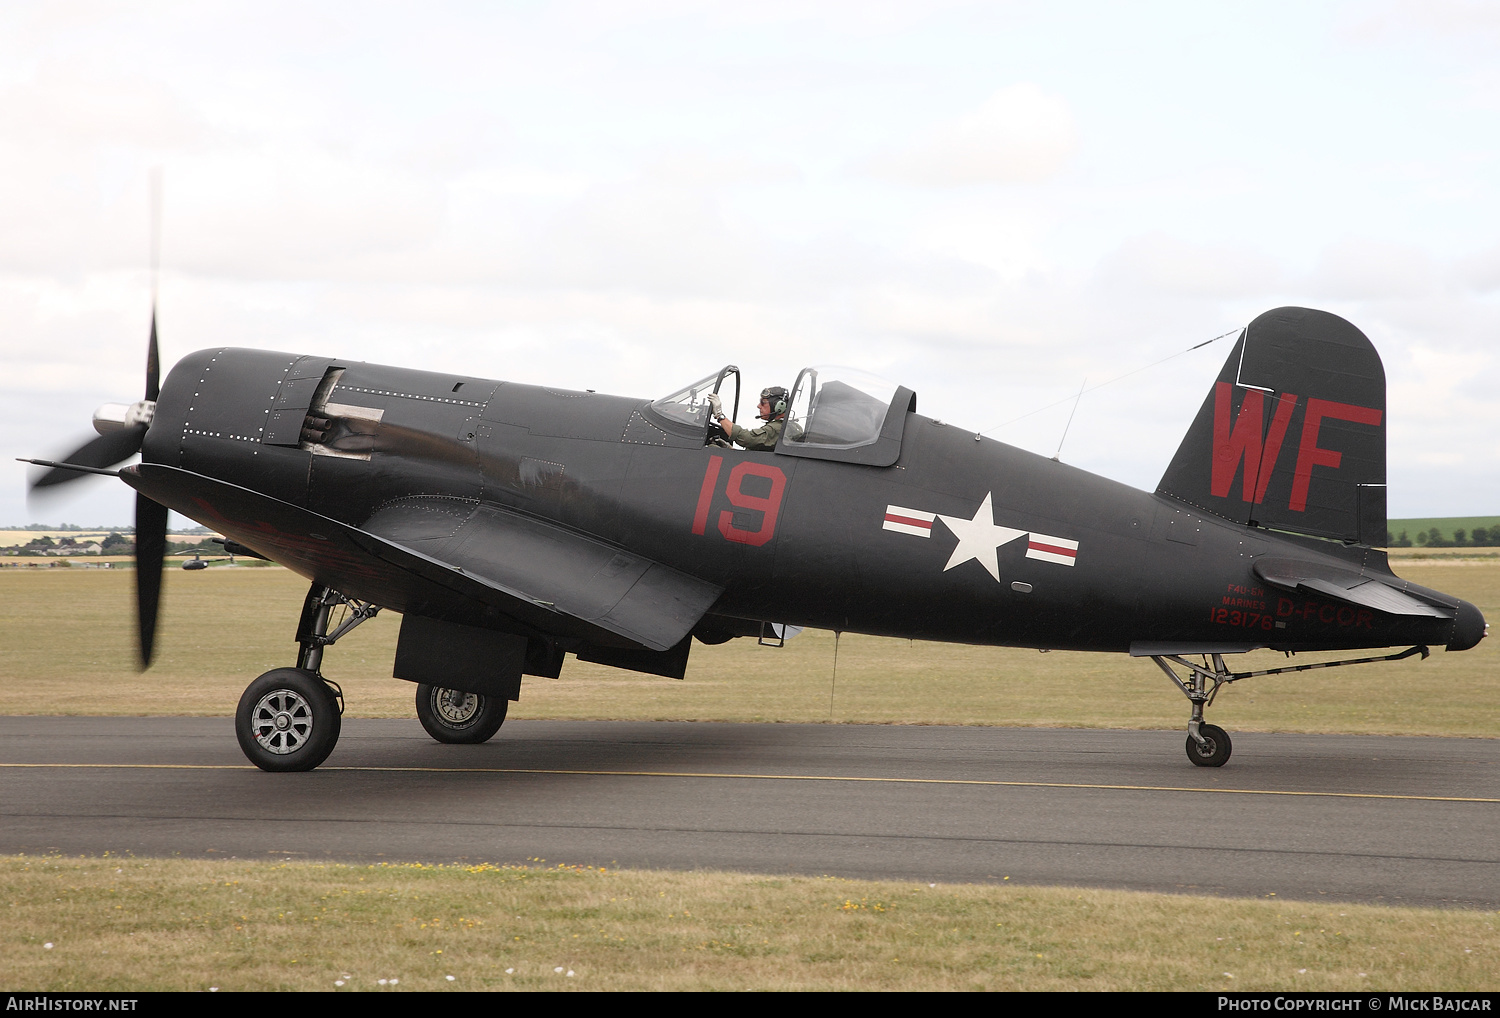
1208,745
289,718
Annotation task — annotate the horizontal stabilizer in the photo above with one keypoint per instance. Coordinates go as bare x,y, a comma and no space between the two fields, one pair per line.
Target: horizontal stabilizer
1292,434
1351,587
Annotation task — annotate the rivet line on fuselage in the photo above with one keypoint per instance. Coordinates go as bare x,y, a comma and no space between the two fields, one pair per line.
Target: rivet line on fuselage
408,395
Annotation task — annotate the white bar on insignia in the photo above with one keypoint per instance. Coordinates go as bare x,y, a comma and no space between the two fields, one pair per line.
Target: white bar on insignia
1058,550
908,521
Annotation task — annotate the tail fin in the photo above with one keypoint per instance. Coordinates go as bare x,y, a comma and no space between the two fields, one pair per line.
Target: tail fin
1292,436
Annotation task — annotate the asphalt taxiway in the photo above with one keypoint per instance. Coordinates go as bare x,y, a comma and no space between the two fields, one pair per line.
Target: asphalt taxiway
1412,821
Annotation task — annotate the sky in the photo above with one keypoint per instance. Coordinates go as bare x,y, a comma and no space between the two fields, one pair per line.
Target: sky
996,204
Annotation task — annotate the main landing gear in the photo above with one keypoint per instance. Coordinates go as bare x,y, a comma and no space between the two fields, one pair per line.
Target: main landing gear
453,716
1209,745
289,718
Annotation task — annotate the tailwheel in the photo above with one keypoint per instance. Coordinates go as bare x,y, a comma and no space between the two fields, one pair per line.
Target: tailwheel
451,715
1213,751
288,720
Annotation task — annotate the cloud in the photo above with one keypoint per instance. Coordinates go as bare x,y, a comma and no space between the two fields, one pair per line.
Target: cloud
1468,22
1020,134
72,107
286,214
1367,269
1481,271
1169,265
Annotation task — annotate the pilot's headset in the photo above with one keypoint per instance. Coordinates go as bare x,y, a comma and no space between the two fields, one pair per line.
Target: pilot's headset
776,396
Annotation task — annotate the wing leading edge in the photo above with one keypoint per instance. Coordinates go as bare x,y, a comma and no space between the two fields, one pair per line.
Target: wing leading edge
454,559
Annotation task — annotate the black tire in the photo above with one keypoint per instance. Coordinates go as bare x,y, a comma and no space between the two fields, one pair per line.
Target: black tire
453,716
287,720
1215,750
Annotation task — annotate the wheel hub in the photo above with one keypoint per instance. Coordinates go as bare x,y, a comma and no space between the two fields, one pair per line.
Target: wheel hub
456,707
282,721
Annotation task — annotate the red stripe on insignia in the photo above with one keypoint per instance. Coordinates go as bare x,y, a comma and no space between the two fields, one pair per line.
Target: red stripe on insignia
893,518
1054,549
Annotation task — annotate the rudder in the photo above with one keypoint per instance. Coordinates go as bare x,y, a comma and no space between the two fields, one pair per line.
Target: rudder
1292,435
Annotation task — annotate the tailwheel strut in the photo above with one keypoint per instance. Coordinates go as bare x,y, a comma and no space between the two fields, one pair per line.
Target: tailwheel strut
1209,745
289,718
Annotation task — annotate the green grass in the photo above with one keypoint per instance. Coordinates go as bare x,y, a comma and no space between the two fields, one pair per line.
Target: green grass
69,650
1446,525
125,924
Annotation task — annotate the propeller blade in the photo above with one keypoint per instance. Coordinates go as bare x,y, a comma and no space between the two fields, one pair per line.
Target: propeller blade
153,362
150,552
104,451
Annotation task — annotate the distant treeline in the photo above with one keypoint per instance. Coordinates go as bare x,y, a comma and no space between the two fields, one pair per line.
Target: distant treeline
73,527
1479,537
63,526
115,544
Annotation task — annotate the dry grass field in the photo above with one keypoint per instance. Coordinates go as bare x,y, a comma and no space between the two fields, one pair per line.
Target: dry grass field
176,924
69,650
145,924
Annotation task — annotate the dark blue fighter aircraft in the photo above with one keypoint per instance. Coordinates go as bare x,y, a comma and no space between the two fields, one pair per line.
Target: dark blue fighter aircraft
513,524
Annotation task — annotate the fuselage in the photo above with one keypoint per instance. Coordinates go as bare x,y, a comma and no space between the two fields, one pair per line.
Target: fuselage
962,539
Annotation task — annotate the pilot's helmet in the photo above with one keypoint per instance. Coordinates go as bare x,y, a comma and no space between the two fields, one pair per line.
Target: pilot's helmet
776,396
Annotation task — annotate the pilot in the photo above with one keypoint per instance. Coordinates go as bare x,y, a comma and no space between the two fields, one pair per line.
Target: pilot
772,411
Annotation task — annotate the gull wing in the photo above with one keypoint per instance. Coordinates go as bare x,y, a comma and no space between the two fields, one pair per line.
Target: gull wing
456,559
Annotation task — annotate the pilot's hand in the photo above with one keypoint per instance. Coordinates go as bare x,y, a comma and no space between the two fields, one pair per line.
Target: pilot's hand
716,404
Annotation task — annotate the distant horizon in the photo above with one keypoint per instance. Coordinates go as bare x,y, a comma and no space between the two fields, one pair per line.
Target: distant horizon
74,527
78,528
995,205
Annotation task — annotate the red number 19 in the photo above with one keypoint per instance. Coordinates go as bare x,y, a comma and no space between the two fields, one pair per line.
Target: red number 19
769,505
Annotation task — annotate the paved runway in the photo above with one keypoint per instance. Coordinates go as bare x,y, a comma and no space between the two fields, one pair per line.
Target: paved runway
1394,820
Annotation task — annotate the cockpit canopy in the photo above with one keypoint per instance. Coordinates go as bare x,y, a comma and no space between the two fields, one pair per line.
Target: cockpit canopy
833,413
846,414
689,405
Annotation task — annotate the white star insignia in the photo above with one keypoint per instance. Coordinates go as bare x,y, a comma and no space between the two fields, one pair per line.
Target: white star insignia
979,538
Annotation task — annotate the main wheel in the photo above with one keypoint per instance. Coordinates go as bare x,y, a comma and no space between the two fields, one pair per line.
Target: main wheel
288,720
1214,750
451,715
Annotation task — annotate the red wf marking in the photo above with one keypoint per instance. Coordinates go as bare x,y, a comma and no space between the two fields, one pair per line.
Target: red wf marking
1309,455
768,505
1242,442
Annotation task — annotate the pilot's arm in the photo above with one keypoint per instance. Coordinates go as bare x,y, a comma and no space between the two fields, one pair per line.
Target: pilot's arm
762,439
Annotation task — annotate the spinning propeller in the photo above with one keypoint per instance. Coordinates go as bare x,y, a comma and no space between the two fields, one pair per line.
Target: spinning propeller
122,430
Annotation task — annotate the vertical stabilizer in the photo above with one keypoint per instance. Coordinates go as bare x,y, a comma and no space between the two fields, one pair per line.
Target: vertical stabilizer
1292,435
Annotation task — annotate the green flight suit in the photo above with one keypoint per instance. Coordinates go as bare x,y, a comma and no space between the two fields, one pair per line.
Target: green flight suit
762,439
